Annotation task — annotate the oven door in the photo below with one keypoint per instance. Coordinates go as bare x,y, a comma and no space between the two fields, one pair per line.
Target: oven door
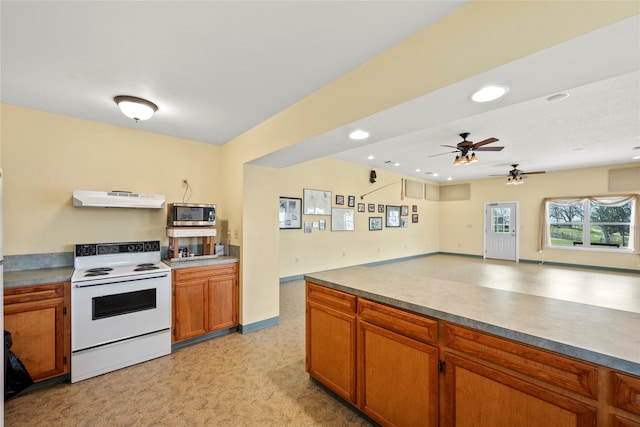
102,314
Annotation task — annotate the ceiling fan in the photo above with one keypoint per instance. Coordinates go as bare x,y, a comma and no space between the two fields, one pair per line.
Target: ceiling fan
516,175
463,148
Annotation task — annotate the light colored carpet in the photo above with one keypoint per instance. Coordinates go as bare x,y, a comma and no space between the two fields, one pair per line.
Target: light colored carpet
257,379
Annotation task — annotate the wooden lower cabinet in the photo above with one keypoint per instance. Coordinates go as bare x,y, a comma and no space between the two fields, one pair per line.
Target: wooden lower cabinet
398,378
39,324
205,299
405,369
331,340
478,395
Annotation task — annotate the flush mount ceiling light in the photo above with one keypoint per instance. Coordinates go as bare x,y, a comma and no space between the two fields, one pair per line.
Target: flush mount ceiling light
359,134
489,93
135,108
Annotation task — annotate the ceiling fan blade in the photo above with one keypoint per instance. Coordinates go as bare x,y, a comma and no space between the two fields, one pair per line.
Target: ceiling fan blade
501,175
442,154
489,149
532,173
485,142
450,146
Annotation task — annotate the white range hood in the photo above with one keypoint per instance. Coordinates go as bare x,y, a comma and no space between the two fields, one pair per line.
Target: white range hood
116,199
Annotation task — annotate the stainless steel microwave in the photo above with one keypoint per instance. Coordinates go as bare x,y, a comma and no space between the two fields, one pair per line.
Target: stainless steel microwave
191,215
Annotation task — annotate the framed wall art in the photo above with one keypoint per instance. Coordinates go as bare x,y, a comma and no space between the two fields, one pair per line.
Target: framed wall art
380,208
404,210
393,216
317,202
290,215
375,223
342,219
351,201
339,200
372,207
360,207
414,208
414,218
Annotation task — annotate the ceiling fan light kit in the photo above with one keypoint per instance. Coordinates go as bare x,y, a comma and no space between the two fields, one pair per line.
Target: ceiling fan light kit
135,108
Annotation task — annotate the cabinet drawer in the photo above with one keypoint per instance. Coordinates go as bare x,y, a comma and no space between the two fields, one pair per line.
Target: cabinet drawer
20,294
550,368
400,321
626,391
331,297
204,272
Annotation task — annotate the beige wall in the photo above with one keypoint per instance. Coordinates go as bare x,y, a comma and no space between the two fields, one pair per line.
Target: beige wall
47,156
301,252
461,225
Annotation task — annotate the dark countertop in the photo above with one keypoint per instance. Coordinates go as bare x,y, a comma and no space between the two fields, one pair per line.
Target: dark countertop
200,262
37,277
62,274
527,307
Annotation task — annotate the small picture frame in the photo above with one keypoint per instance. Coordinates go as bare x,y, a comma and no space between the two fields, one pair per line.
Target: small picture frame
404,222
352,201
393,216
360,207
339,199
372,207
404,210
414,208
414,218
323,224
290,214
375,223
380,208
308,226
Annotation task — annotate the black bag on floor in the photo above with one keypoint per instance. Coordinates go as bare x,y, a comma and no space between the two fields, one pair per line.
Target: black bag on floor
16,376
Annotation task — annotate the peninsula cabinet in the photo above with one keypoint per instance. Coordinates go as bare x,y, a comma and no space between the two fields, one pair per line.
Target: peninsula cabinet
331,340
36,316
398,365
405,369
205,299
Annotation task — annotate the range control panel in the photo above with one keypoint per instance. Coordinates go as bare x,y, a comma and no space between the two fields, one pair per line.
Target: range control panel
92,249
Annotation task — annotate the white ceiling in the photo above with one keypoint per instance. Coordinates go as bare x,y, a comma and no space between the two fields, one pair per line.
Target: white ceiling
216,69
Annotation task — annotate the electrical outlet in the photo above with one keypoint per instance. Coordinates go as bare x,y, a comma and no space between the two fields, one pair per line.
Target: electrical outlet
185,183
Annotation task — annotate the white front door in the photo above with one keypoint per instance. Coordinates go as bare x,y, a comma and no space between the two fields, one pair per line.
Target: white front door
500,233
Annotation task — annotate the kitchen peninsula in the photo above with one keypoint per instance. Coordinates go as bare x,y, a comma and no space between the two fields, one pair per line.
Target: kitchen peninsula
446,340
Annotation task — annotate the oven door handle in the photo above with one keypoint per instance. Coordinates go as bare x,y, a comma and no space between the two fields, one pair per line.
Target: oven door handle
122,280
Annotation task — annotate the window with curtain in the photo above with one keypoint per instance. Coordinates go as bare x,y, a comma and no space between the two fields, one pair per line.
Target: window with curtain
597,223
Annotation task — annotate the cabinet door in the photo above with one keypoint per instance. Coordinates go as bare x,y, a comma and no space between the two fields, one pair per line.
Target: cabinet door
331,349
398,378
37,331
478,395
223,302
190,309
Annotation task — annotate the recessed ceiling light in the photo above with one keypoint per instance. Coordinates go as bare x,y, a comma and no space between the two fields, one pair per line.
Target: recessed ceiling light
371,157
449,179
635,158
396,164
359,134
435,174
489,93
558,97
418,170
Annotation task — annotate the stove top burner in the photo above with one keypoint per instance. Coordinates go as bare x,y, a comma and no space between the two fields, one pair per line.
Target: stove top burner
96,273
103,270
145,267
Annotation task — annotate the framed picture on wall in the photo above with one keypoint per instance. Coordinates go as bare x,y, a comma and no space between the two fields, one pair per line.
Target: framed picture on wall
372,207
380,208
414,208
404,210
404,222
375,223
323,224
414,218
352,201
290,214
339,200
393,216
360,207
317,202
